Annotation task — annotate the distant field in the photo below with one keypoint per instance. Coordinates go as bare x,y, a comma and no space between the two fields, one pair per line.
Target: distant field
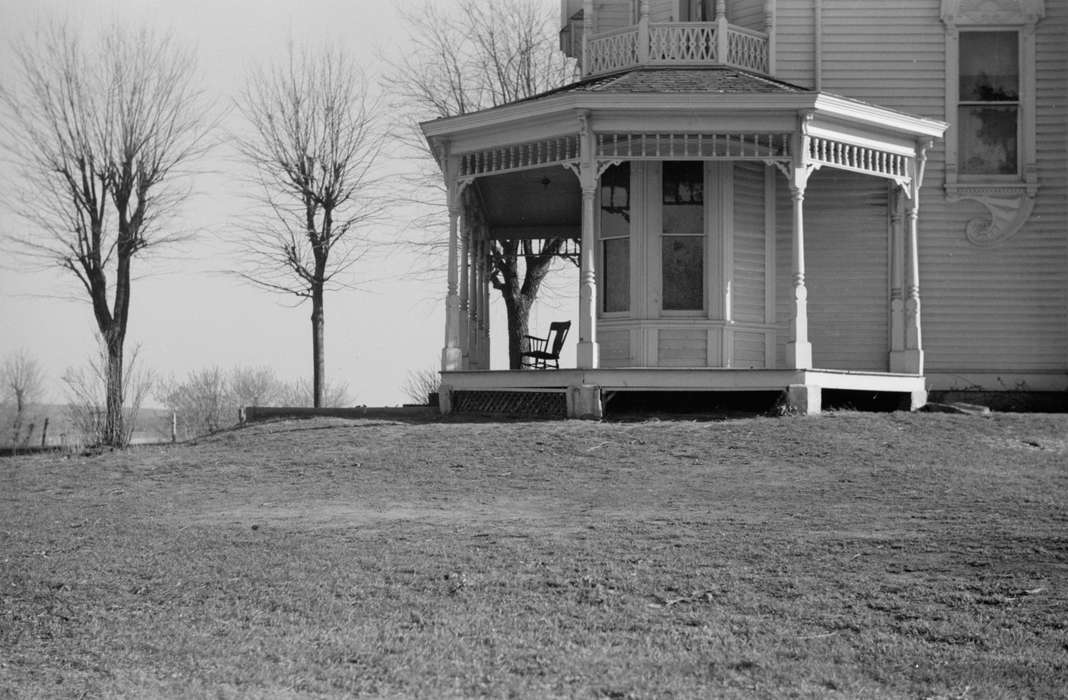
845,556
152,425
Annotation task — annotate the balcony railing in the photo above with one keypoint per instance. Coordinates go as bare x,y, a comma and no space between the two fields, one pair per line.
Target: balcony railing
676,44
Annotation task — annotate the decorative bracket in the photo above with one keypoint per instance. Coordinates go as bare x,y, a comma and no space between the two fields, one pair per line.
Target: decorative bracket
1008,209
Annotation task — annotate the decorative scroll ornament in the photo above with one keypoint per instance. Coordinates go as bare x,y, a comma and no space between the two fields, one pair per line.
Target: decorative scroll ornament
1008,213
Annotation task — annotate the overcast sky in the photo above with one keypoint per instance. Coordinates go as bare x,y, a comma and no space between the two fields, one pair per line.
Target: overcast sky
186,316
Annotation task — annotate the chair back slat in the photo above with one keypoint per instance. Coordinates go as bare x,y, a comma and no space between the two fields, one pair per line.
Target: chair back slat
558,329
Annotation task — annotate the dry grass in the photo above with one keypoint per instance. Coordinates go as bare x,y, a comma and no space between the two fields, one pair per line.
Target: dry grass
850,555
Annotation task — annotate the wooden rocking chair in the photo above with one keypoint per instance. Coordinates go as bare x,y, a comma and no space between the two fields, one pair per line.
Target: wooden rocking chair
544,353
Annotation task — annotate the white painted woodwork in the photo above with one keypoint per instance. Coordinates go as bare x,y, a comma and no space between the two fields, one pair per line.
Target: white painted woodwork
995,312
682,379
748,14
749,279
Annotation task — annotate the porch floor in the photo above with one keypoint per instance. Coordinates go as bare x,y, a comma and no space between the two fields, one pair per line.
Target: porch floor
585,388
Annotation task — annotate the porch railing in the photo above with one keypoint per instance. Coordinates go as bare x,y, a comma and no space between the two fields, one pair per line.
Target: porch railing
676,44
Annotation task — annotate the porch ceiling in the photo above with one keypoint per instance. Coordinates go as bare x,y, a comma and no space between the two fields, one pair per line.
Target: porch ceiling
540,203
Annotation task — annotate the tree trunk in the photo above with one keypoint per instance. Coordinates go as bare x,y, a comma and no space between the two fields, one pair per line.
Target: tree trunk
114,420
517,308
519,297
318,347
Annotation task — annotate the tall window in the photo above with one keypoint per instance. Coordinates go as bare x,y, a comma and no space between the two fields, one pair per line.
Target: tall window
615,238
988,113
682,244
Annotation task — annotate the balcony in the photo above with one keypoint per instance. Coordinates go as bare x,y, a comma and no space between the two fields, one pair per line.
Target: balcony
676,44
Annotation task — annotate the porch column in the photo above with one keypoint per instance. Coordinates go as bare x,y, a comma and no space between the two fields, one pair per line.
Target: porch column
911,359
452,354
475,294
643,32
484,326
722,38
798,348
897,282
465,289
588,352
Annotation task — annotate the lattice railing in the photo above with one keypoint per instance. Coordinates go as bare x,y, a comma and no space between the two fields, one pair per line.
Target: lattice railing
612,51
747,49
682,43
860,159
677,44
704,146
520,156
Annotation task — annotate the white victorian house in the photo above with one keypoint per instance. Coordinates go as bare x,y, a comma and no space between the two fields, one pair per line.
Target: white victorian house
757,188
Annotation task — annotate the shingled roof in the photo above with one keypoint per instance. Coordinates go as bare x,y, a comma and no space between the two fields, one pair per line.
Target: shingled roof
680,81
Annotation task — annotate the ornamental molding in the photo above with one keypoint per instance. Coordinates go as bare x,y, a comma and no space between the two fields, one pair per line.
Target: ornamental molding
1008,207
991,12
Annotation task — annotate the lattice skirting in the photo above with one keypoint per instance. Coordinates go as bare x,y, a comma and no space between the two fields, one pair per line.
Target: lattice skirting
540,404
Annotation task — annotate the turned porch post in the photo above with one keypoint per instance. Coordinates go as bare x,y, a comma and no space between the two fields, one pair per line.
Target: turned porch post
897,282
588,353
452,354
466,308
798,348
587,29
911,359
643,32
722,38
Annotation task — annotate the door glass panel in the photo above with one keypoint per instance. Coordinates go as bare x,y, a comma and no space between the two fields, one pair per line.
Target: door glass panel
616,274
615,201
683,272
683,197
615,242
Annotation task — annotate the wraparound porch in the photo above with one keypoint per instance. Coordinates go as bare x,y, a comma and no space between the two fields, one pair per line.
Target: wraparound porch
586,391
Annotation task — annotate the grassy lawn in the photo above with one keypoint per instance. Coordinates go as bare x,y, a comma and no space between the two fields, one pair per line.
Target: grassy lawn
848,555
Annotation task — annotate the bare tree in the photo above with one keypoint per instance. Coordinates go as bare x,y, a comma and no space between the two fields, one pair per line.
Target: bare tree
22,382
314,143
482,54
88,389
420,384
100,134
22,379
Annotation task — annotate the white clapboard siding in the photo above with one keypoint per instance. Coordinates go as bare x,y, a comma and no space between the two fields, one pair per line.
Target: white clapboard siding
748,350
1002,308
614,14
846,261
749,286
615,348
794,41
909,60
682,347
663,10
747,13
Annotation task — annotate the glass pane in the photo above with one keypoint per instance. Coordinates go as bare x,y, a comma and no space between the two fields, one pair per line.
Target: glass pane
987,140
683,272
615,201
616,274
684,201
989,67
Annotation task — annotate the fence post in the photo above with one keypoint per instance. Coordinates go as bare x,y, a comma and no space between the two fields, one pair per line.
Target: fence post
44,433
174,426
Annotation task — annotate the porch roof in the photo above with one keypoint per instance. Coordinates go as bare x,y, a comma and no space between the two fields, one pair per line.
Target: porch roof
674,80
704,91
